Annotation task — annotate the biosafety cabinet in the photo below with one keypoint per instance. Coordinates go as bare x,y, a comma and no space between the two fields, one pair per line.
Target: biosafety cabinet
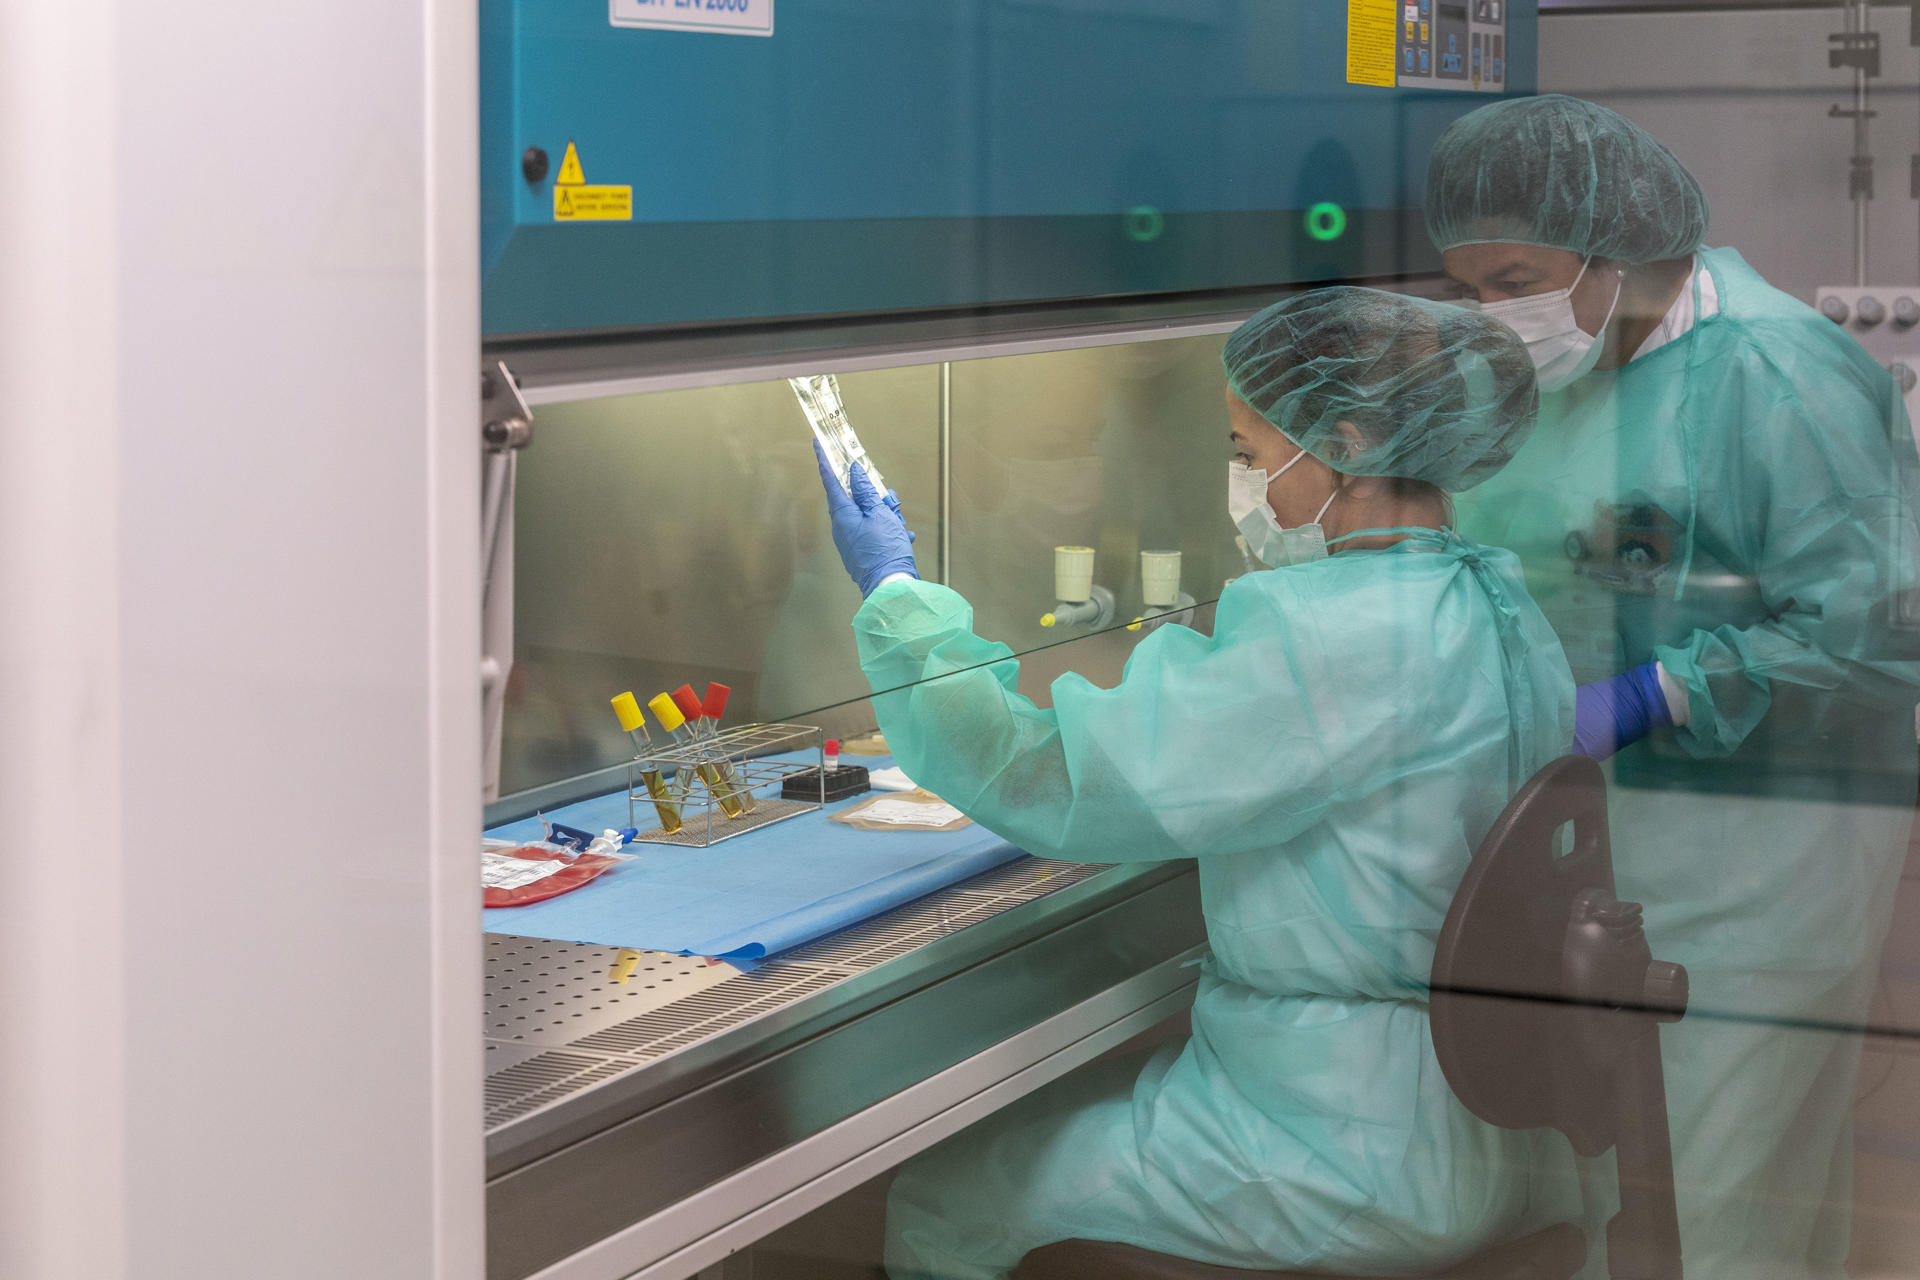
1016,231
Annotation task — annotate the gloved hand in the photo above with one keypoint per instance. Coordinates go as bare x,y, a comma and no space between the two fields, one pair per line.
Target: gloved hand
1619,711
873,540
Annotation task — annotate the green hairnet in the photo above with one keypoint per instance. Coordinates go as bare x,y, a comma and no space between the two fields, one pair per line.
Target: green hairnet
1566,174
1434,392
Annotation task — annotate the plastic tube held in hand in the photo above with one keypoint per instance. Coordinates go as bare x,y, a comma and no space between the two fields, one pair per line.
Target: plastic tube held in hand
711,710
819,397
627,709
689,706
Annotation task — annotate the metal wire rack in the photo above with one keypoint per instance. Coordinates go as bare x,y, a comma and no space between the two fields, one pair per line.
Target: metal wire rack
713,787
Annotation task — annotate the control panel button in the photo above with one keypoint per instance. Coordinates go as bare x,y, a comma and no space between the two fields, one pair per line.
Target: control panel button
1869,312
1834,310
1906,312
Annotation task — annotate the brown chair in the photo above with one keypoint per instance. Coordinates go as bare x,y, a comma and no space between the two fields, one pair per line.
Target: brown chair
1546,1005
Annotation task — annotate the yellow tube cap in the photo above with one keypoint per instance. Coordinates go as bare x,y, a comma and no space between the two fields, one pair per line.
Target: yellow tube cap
665,712
1048,620
627,707
1135,624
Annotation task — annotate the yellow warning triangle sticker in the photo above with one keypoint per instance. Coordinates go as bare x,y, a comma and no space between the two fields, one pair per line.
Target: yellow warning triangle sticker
563,207
571,174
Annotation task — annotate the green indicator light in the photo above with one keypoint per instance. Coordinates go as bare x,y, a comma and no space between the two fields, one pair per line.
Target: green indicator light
1326,221
1143,222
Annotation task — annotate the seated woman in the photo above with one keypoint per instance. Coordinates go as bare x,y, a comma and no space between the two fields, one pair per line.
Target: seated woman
1331,755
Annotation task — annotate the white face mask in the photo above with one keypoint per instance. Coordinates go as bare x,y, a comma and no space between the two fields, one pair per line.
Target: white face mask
1560,349
1272,545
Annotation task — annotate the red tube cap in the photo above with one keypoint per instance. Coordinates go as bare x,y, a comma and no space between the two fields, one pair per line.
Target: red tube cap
689,705
716,703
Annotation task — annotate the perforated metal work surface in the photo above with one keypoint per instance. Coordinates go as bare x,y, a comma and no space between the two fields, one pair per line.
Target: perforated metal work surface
553,993
561,1020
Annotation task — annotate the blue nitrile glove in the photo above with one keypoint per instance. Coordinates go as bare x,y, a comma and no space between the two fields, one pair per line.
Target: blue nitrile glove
1619,711
873,540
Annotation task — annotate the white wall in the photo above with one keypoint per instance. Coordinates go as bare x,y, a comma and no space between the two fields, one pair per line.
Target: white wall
1742,99
239,971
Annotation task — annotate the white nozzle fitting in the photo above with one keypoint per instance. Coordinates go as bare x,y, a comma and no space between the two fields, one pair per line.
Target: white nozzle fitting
1160,578
1073,574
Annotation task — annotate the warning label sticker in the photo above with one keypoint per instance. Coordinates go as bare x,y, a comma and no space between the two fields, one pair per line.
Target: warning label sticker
1370,41
592,204
575,200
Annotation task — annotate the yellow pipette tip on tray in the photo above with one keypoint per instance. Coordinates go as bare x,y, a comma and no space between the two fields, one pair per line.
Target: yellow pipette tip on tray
665,712
627,708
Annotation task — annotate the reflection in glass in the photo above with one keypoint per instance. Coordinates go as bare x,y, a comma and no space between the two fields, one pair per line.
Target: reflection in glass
1718,509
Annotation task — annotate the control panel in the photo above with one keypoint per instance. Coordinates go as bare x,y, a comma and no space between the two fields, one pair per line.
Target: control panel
1453,44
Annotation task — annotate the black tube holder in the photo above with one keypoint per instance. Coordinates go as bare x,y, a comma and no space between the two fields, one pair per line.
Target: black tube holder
846,780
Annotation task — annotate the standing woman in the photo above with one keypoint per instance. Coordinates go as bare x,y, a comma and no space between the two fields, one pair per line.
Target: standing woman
1714,515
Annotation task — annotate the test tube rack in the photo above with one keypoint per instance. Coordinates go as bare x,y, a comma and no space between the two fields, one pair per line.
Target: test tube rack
756,759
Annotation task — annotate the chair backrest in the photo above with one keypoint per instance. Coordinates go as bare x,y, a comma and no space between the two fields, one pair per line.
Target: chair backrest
1547,1000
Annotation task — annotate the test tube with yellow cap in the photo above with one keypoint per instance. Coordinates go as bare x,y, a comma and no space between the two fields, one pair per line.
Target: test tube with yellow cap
671,719
627,708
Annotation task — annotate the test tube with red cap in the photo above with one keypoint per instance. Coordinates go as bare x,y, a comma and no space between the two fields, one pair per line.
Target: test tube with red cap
667,712
711,710
712,764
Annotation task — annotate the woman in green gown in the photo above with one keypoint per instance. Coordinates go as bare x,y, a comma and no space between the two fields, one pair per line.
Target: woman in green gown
1330,755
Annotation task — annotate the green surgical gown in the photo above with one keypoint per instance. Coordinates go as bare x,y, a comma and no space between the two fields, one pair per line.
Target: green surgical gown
1735,504
1331,756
